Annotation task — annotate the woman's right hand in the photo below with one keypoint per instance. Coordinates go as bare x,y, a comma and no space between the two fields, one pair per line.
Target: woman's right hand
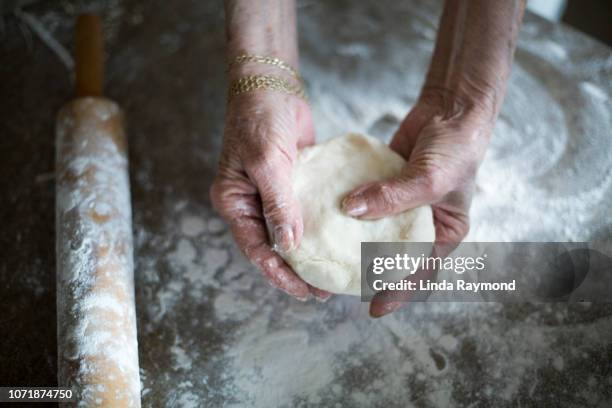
253,188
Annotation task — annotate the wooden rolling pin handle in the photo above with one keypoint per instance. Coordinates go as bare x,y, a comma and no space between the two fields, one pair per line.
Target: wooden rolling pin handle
89,56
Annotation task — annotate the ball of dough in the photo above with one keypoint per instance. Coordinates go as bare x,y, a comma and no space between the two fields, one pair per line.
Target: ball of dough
330,252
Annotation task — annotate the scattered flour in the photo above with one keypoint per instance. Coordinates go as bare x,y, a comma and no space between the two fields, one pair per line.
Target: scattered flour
249,345
192,226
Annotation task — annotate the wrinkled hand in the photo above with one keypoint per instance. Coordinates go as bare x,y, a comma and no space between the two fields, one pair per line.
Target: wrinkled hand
444,141
253,188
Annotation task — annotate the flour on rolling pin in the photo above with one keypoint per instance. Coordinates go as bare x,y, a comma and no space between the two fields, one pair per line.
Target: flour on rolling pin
98,351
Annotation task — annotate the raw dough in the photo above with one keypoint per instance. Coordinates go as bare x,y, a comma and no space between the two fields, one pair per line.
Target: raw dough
330,252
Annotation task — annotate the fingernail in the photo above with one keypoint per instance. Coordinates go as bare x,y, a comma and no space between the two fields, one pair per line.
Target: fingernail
283,238
354,206
322,299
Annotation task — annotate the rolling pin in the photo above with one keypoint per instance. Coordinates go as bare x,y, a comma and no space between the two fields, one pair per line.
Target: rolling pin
96,318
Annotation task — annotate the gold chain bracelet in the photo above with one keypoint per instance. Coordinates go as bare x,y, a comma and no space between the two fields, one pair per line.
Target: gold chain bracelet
255,82
244,58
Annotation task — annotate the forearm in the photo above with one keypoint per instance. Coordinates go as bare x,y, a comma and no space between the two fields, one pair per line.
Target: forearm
262,27
474,51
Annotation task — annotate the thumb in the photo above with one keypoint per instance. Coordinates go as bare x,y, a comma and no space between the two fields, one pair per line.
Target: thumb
392,196
280,207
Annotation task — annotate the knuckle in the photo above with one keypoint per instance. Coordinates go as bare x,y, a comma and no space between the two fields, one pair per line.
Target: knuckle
434,183
277,216
276,202
256,159
261,160
388,196
463,229
274,208
253,253
216,193
221,196
277,206
458,229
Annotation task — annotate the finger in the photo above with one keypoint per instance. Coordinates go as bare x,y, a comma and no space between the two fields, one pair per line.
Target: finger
320,294
280,208
251,237
452,224
243,212
451,228
382,305
388,301
405,137
388,197
451,216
